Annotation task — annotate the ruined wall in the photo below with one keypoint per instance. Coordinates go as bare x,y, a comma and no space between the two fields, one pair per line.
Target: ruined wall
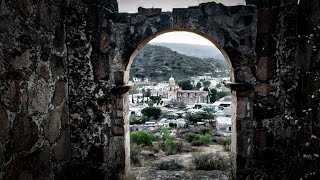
40,137
64,72
286,110
34,115
96,136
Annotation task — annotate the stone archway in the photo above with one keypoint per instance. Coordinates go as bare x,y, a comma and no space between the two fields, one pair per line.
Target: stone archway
231,29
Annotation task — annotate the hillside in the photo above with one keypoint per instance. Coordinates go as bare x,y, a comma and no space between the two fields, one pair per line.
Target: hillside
159,63
200,51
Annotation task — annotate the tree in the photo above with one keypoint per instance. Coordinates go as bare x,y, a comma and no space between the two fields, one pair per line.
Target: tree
198,116
222,94
156,99
206,84
206,89
185,85
148,93
198,86
151,112
213,95
143,93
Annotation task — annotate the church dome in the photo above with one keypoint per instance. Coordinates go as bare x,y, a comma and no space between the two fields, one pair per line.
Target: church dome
171,81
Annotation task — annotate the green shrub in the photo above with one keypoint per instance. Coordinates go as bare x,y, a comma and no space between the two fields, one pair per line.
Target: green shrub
205,131
164,132
143,138
198,140
144,119
151,112
189,136
205,139
172,146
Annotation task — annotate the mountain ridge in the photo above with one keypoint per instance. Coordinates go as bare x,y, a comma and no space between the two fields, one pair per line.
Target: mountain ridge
159,63
195,50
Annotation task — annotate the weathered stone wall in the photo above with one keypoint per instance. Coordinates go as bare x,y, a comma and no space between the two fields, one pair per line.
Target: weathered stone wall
34,115
96,136
64,69
286,109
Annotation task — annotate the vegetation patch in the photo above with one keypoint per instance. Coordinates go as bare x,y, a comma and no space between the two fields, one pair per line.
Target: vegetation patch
173,146
197,139
142,138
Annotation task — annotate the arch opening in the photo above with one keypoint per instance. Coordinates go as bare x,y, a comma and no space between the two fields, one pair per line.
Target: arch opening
172,84
207,37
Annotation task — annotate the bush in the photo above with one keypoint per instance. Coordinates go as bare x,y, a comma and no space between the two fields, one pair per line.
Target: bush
144,119
172,146
173,125
206,139
196,139
164,132
143,138
210,161
171,164
189,136
151,112
205,131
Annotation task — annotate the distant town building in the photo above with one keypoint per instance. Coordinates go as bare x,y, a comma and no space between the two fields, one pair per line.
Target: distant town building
186,96
172,89
192,96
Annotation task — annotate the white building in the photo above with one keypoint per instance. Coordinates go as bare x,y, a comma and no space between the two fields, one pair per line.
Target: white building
223,123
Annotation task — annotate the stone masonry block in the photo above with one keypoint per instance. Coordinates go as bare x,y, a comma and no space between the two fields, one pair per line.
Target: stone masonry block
149,12
241,109
262,69
39,97
52,127
262,89
23,135
59,93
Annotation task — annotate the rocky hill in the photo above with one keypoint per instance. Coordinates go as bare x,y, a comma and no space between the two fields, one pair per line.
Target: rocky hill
159,63
195,50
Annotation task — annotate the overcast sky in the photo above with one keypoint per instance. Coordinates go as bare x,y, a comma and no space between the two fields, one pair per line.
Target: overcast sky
182,37
131,6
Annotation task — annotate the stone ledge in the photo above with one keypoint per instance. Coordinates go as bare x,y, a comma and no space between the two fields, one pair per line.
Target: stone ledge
122,89
241,87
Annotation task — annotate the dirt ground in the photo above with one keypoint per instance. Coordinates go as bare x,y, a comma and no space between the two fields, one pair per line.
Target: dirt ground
186,172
